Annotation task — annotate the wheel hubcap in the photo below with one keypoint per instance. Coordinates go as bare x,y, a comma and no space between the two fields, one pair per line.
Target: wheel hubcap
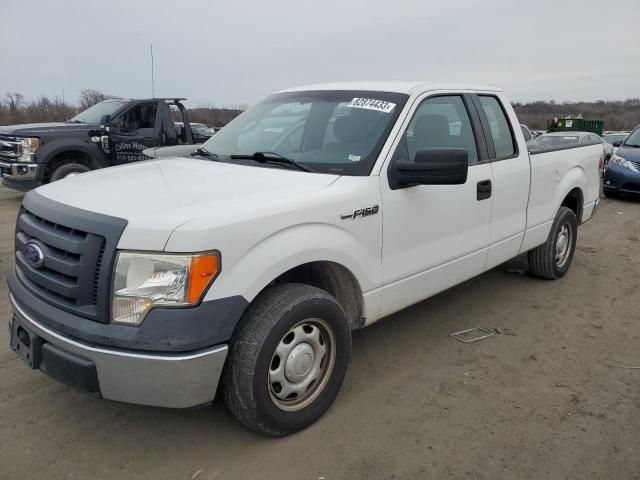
563,245
301,365
299,362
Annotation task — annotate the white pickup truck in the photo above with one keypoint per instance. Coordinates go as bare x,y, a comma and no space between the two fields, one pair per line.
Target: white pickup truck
318,211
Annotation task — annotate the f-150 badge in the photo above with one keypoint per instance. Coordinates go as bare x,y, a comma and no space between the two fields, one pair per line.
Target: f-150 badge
359,213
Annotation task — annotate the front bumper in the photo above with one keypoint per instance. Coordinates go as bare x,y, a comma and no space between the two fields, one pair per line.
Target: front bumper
620,179
21,176
175,380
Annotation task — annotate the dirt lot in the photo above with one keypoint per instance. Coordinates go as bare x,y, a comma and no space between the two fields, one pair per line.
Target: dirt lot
551,402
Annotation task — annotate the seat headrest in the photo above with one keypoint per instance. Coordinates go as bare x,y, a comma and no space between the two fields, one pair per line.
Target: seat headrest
350,129
432,131
147,115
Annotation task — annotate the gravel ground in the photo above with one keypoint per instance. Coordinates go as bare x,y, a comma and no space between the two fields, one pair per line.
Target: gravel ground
556,400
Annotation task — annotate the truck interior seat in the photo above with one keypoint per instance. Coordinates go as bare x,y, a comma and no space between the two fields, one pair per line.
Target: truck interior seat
349,129
146,117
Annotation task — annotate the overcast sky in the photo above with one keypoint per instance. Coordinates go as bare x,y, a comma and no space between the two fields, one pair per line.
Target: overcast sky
235,52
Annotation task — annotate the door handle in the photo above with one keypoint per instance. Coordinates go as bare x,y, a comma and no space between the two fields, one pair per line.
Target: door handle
484,189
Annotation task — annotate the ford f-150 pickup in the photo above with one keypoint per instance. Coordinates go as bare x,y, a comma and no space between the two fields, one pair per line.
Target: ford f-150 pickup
245,267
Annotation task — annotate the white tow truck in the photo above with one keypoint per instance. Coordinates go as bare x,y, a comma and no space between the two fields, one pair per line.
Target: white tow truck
244,267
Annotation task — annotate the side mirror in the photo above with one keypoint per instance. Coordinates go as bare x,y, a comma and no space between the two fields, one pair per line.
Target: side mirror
616,143
432,166
105,120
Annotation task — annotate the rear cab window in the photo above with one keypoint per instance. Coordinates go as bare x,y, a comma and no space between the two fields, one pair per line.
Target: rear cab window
499,127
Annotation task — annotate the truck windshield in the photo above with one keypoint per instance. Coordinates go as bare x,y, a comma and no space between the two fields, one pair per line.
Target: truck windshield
330,131
95,113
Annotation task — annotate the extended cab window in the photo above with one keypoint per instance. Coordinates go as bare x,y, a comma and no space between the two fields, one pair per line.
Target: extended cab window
438,122
499,126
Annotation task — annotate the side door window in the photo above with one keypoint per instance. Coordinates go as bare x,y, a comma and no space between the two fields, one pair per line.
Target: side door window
499,127
439,122
134,132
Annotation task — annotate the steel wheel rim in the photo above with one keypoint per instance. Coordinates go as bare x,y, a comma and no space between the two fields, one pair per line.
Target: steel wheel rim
301,365
563,245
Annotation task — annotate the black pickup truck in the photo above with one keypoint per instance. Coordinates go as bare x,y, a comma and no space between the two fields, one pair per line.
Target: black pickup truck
112,132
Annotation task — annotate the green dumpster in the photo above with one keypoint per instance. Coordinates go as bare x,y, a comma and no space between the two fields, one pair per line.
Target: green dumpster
575,125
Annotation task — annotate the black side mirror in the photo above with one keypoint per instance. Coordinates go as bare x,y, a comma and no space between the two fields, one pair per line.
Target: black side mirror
432,166
616,143
105,120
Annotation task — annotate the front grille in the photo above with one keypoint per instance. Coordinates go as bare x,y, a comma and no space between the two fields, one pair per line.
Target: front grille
64,255
10,147
72,260
637,165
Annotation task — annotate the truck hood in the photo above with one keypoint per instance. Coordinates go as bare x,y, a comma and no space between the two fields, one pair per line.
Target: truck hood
37,129
157,196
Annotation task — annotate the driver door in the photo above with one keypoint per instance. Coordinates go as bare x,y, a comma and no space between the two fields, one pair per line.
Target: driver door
435,236
133,132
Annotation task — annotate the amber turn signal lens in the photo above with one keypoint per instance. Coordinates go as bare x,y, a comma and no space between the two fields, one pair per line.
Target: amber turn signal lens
204,269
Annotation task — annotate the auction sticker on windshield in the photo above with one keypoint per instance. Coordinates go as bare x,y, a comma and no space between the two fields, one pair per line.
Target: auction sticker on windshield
372,104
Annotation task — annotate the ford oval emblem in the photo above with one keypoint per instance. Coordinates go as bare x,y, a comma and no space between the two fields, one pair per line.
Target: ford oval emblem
34,254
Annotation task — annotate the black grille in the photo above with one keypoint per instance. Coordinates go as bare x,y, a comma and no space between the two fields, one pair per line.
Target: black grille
10,147
72,260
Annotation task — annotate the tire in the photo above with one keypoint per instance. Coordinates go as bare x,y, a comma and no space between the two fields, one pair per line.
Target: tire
552,260
252,373
611,193
68,169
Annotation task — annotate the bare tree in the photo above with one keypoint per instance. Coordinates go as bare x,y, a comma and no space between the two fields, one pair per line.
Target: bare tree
15,101
89,97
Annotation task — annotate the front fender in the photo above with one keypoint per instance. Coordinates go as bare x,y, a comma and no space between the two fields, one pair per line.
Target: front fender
252,270
53,148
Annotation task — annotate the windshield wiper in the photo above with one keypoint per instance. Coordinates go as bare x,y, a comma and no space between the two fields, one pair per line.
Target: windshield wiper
273,157
203,152
632,145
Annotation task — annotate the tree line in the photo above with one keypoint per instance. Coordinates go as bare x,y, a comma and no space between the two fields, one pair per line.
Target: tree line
617,115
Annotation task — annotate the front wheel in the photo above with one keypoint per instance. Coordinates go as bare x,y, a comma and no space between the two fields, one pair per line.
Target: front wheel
68,170
552,259
287,359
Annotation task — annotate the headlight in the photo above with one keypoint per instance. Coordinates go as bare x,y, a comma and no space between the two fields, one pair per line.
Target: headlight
145,280
623,162
28,147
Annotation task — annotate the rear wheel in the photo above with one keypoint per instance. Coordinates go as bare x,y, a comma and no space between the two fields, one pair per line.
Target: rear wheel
287,359
553,259
68,170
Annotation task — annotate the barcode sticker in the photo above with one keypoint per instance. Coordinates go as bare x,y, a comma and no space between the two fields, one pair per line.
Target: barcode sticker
372,104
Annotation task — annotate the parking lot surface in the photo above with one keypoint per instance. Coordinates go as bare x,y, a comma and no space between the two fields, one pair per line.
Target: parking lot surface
557,400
